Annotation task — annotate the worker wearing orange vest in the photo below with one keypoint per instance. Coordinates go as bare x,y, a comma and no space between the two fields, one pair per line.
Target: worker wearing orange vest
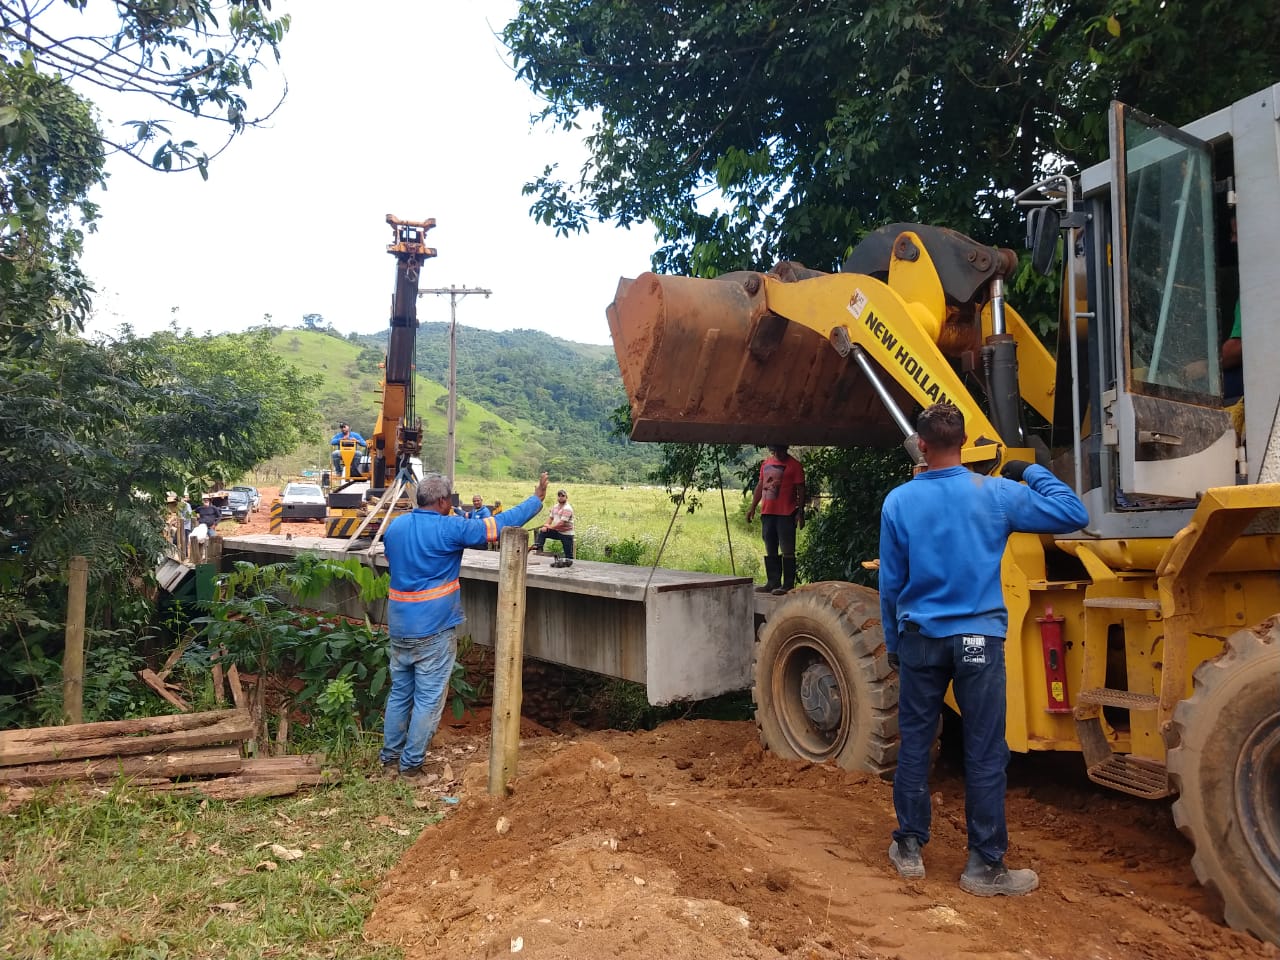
424,552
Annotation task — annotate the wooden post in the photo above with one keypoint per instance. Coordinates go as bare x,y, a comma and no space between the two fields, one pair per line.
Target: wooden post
73,651
508,658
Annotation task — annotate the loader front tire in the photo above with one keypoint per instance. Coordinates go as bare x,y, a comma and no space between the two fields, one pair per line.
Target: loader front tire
824,691
1224,762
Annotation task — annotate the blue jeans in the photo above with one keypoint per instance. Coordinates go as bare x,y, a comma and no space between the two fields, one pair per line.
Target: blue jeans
976,666
566,539
420,671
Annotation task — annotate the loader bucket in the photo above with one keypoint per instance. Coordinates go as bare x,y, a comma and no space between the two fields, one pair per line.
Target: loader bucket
705,361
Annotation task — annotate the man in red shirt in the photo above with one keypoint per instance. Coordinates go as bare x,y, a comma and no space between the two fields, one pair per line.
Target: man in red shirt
780,497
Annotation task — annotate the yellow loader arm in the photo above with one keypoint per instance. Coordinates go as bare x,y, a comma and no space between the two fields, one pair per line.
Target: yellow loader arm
749,357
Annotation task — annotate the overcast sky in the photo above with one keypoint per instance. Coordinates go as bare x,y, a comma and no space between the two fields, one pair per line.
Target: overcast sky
395,106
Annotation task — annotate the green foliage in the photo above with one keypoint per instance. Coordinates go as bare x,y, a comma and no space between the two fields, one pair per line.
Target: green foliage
334,719
463,692
254,625
630,551
196,59
92,435
846,531
751,133
50,158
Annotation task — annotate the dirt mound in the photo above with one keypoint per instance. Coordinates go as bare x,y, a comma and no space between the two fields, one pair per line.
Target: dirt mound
691,842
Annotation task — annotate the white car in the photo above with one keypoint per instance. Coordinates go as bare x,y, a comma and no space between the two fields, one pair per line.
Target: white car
303,501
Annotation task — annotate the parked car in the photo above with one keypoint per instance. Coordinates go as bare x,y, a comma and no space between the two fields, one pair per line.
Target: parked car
255,498
238,504
303,501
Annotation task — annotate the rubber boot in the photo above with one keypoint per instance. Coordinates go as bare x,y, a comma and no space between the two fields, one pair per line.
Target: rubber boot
984,879
788,577
905,855
773,573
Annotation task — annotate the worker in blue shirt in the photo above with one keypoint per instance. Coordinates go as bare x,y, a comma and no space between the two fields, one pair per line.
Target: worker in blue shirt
478,510
344,433
945,621
424,609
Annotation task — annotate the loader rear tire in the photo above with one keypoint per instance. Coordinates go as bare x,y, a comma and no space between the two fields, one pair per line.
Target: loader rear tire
824,691
1224,762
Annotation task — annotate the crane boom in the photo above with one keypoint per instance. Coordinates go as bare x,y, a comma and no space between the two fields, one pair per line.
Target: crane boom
397,436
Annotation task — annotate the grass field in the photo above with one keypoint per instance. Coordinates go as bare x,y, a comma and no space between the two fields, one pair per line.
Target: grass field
632,522
129,875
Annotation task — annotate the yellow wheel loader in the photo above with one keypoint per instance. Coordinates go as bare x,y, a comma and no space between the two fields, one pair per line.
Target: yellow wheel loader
1148,642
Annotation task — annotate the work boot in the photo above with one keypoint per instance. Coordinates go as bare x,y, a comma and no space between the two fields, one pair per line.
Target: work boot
905,855
773,573
984,879
788,576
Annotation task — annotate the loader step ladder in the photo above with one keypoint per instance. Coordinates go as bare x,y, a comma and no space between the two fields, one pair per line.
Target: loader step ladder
1123,603
1138,776
1126,699
1134,775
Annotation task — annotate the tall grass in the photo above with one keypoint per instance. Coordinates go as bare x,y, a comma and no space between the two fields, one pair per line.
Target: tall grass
629,523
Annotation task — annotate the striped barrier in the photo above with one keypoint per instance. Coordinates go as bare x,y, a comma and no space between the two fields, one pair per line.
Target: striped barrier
277,516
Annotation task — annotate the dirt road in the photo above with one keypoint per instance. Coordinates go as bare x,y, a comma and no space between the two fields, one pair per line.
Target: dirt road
691,842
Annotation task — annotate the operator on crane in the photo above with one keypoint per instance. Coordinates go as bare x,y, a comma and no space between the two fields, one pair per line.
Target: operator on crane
344,433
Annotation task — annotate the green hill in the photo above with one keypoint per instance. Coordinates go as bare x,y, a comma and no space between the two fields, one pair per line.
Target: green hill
526,401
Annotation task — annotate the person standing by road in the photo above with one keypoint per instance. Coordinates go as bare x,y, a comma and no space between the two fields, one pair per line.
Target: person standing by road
559,526
945,622
780,497
207,513
424,609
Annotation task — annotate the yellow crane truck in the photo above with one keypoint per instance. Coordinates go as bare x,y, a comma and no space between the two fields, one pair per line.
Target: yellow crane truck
396,443
1146,642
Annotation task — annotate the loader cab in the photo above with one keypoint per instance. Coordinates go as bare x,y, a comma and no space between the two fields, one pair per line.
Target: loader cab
1158,276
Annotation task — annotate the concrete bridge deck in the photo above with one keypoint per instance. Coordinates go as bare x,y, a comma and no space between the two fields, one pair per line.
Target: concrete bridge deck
684,635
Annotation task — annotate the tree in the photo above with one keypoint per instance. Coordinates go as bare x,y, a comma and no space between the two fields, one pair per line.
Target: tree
184,60
188,60
92,436
752,132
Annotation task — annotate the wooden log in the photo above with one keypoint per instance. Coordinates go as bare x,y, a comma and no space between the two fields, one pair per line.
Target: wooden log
231,788
305,768
172,661
73,652
508,654
122,737
152,680
184,763
237,689
219,692
282,729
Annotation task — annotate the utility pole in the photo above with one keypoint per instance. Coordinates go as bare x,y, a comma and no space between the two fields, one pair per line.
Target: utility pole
454,293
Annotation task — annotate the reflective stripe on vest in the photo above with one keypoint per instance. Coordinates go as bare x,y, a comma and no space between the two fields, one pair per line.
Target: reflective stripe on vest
491,530
419,596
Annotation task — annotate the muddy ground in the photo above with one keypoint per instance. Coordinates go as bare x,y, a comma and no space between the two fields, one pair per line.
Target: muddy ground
691,842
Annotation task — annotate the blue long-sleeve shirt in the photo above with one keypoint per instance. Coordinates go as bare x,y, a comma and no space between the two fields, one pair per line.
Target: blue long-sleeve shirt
424,552
337,437
942,535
